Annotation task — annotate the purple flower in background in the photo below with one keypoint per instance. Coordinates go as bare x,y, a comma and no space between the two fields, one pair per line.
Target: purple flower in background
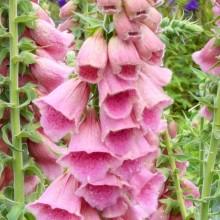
60,2
191,5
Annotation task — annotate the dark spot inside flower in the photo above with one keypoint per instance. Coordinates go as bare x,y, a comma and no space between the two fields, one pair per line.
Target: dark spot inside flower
128,72
89,73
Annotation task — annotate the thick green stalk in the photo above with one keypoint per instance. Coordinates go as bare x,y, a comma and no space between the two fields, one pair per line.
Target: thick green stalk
201,151
175,176
210,163
15,112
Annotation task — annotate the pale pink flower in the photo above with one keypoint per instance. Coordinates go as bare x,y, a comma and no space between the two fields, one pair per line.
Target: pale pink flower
124,58
150,47
126,29
88,159
45,154
204,112
92,58
50,73
116,96
136,9
109,6
156,3
89,213
160,214
153,19
67,25
102,194
62,109
30,183
58,201
55,41
119,135
67,10
40,13
206,58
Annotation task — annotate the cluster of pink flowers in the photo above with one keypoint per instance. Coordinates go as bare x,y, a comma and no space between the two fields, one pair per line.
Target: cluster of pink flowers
208,57
111,154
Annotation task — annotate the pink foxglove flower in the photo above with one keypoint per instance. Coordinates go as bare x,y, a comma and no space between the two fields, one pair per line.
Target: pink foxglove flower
192,190
89,213
153,19
45,154
109,6
156,3
55,41
62,109
67,25
30,184
126,29
4,67
206,58
160,76
116,96
136,9
160,214
67,10
58,201
116,210
119,135
102,194
88,159
150,47
40,13
124,58
204,112
50,73
90,65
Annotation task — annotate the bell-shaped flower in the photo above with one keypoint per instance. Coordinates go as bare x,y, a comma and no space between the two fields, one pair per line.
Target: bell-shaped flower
116,210
153,19
156,3
206,58
126,29
90,65
206,113
50,73
159,75
88,159
116,96
89,213
62,109
150,47
67,10
59,201
4,67
101,194
146,200
119,135
160,214
45,154
67,25
54,41
136,9
124,58
109,6
30,183
40,13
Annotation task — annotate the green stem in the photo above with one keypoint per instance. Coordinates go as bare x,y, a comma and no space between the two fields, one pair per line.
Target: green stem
210,163
175,176
201,151
15,112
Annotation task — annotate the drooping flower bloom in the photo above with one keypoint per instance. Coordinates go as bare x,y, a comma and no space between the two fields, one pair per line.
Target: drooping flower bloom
67,9
136,9
153,19
101,194
55,41
204,112
62,109
88,159
150,47
124,58
45,154
50,73
126,29
90,65
206,58
116,96
30,183
109,6
58,201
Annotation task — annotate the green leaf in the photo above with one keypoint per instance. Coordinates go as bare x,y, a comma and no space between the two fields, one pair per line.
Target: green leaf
3,53
25,18
201,75
15,212
27,44
4,159
29,92
16,59
28,58
185,158
32,135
